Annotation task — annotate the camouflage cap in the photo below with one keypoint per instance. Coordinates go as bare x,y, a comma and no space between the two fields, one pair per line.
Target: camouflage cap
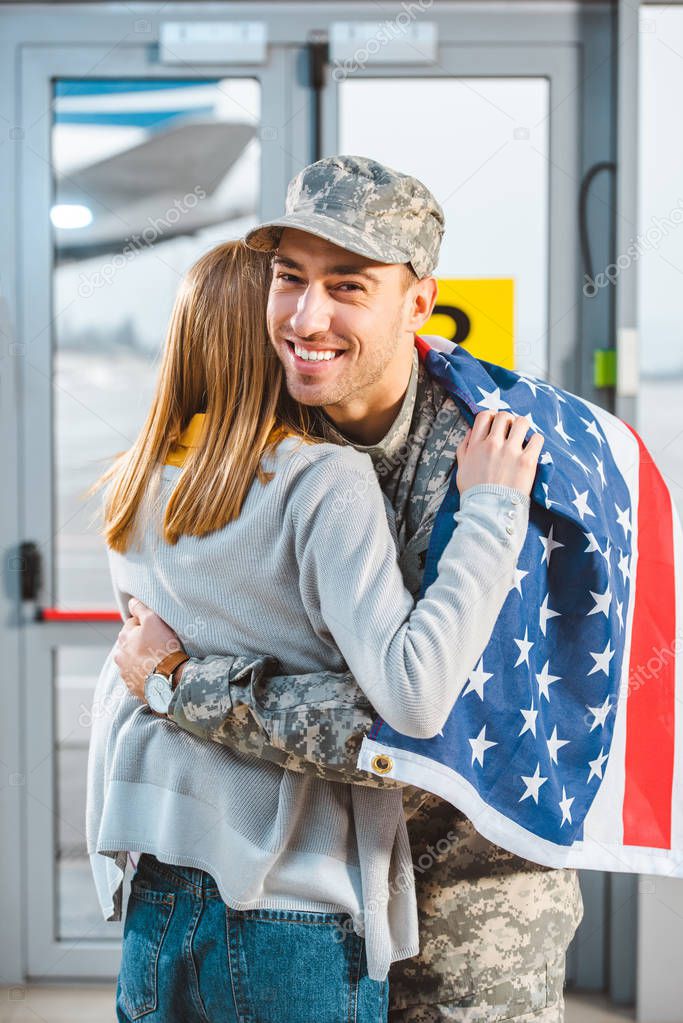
364,207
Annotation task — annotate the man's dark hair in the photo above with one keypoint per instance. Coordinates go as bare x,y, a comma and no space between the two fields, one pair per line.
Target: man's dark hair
409,276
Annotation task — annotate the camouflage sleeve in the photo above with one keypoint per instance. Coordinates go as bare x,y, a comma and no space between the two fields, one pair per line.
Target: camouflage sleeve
312,723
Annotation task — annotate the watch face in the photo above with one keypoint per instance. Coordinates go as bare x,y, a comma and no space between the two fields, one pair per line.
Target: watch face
158,693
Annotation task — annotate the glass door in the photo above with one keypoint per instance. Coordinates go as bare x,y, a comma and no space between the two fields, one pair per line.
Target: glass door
130,171
491,130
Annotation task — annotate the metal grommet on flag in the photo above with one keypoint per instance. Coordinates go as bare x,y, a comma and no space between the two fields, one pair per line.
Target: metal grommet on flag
381,764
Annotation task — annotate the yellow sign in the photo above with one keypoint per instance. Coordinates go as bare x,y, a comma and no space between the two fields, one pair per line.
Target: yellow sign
479,315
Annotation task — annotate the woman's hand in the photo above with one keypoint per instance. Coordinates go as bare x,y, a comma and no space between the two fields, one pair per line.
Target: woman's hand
142,642
491,452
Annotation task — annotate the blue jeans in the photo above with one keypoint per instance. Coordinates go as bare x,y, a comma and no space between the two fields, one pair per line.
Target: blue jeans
189,958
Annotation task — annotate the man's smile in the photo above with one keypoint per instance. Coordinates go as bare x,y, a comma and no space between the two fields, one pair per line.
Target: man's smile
312,359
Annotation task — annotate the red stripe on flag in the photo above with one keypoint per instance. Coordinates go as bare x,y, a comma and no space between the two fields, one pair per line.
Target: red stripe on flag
649,764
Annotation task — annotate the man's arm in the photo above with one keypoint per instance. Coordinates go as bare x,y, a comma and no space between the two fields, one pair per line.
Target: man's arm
312,723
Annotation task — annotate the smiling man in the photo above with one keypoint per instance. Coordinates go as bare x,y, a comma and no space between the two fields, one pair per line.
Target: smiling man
353,262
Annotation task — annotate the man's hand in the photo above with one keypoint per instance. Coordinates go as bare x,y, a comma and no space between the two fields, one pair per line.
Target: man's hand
142,642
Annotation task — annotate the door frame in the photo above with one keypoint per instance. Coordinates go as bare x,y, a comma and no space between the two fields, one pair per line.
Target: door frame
560,66
118,31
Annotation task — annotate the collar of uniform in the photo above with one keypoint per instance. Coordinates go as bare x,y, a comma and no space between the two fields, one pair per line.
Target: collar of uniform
398,432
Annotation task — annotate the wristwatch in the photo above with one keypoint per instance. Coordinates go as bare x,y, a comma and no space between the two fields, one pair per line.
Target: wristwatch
159,684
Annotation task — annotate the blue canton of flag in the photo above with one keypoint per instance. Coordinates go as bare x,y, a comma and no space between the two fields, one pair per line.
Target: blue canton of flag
532,729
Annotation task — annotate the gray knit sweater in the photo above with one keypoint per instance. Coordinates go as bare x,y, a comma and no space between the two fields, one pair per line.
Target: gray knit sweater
308,573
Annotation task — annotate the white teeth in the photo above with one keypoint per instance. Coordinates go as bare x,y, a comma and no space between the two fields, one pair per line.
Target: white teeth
312,356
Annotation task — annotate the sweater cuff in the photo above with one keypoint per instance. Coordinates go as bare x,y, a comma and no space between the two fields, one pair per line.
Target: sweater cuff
516,496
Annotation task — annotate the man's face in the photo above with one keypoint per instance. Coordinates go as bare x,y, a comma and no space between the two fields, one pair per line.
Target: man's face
354,311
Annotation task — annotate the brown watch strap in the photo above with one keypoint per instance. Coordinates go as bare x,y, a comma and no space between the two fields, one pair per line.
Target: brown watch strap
168,664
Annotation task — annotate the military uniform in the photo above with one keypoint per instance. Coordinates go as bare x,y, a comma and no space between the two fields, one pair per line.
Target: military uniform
494,928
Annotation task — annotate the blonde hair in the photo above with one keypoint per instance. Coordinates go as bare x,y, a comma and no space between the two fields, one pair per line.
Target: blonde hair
217,360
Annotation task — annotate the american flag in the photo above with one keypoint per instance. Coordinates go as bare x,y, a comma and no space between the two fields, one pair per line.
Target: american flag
562,745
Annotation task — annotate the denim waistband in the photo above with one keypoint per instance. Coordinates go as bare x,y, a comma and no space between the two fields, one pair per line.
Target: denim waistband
192,879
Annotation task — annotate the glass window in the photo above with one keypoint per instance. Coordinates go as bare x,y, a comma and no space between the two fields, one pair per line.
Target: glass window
481,146
148,176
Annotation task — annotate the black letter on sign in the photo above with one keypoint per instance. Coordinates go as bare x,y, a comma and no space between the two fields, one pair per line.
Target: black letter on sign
461,321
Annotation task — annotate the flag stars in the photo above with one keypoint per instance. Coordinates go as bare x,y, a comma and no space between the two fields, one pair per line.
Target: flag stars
624,567
492,400
602,660
623,518
545,613
620,613
559,428
607,554
549,545
532,785
548,502
565,805
479,747
477,680
578,461
554,744
530,384
601,470
597,765
529,716
602,602
592,544
592,428
581,503
524,648
545,680
519,575
600,714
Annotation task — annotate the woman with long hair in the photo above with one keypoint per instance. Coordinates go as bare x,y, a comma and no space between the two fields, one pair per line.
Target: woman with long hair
246,532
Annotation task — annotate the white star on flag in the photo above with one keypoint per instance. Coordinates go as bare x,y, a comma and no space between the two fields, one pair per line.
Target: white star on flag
601,469
559,428
553,744
600,714
519,575
548,502
581,503
597,765
529,716
624,567
602,660
545,458
477,680
602,602
565,806
606,554
592,544
479,747
545,681
578,461
549,545
524,648
592,428
620,613
530,384
545,613
623,518
533,784
492,400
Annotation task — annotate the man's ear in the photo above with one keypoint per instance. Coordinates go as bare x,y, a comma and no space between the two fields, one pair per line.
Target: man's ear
422,302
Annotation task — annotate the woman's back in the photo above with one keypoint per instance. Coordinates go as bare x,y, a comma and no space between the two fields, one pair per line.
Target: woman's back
237,590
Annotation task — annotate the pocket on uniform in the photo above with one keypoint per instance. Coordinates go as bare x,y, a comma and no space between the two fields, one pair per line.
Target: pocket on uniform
147,919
